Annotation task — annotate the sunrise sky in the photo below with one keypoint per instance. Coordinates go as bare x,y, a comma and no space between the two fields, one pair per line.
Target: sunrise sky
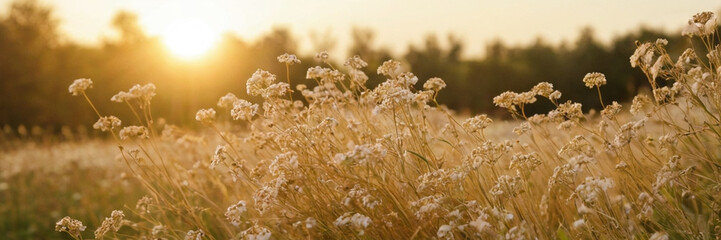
396,23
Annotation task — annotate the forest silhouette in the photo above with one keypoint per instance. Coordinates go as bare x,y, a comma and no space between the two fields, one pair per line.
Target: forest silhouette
37,64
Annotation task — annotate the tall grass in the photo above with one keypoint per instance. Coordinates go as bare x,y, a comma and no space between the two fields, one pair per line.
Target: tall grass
348,162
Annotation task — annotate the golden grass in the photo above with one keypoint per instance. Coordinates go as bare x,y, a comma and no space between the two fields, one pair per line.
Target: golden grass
350,162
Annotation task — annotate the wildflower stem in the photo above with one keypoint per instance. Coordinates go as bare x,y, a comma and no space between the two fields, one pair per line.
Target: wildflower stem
287,76
599,97
91,104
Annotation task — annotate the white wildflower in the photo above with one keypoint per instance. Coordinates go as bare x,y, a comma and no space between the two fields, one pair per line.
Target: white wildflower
594,79
133,132
256,84
80,85
227,101
243,110
289,59
70,226
114,222
107,123
235,212
355,62
206,116
435,84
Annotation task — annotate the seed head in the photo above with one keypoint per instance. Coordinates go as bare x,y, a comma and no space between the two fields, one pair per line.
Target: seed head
234,213
507,99
243,110
107,123
435,84
80,85
543,89
355,62
256,232
133,131
206,116
145,92
227,101
112,223
643,55
390,68
256,84
701,24
594,79
289,59
477,123
69,225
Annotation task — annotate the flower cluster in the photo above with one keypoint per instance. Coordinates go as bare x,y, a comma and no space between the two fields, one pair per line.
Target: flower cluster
113,223
107,123
594,79
80,85
289,59
71,226
133,132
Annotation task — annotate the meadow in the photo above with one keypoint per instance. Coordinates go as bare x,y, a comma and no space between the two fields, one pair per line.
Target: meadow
350,162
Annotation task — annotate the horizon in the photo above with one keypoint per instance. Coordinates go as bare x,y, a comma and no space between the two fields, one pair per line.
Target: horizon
220,17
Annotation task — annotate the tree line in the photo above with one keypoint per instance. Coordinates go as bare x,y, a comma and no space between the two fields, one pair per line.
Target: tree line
37,63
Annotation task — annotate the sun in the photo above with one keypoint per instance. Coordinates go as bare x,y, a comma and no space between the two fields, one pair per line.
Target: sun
189,38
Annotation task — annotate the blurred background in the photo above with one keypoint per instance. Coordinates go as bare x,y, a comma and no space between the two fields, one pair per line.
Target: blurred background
196,51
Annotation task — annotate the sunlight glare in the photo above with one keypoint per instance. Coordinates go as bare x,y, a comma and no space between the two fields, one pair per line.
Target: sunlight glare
189,38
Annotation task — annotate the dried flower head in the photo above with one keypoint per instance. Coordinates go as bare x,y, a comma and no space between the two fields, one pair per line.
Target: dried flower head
112,223
133,131
70,226
143,205
142,92
477,123
507,100
357,221
355,62
555,95
435,84
507,186
234,213
639,102
543,89
591,188
526,98
390,68
243,110
406,79
643,55
611,110
256,232
701,24
107,123
276,90
206,116
289,59
256,84
80,85
594,79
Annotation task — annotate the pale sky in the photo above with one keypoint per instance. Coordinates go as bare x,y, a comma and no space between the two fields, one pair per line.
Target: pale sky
396,23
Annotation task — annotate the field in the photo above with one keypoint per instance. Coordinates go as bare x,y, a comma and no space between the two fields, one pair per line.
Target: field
349,162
